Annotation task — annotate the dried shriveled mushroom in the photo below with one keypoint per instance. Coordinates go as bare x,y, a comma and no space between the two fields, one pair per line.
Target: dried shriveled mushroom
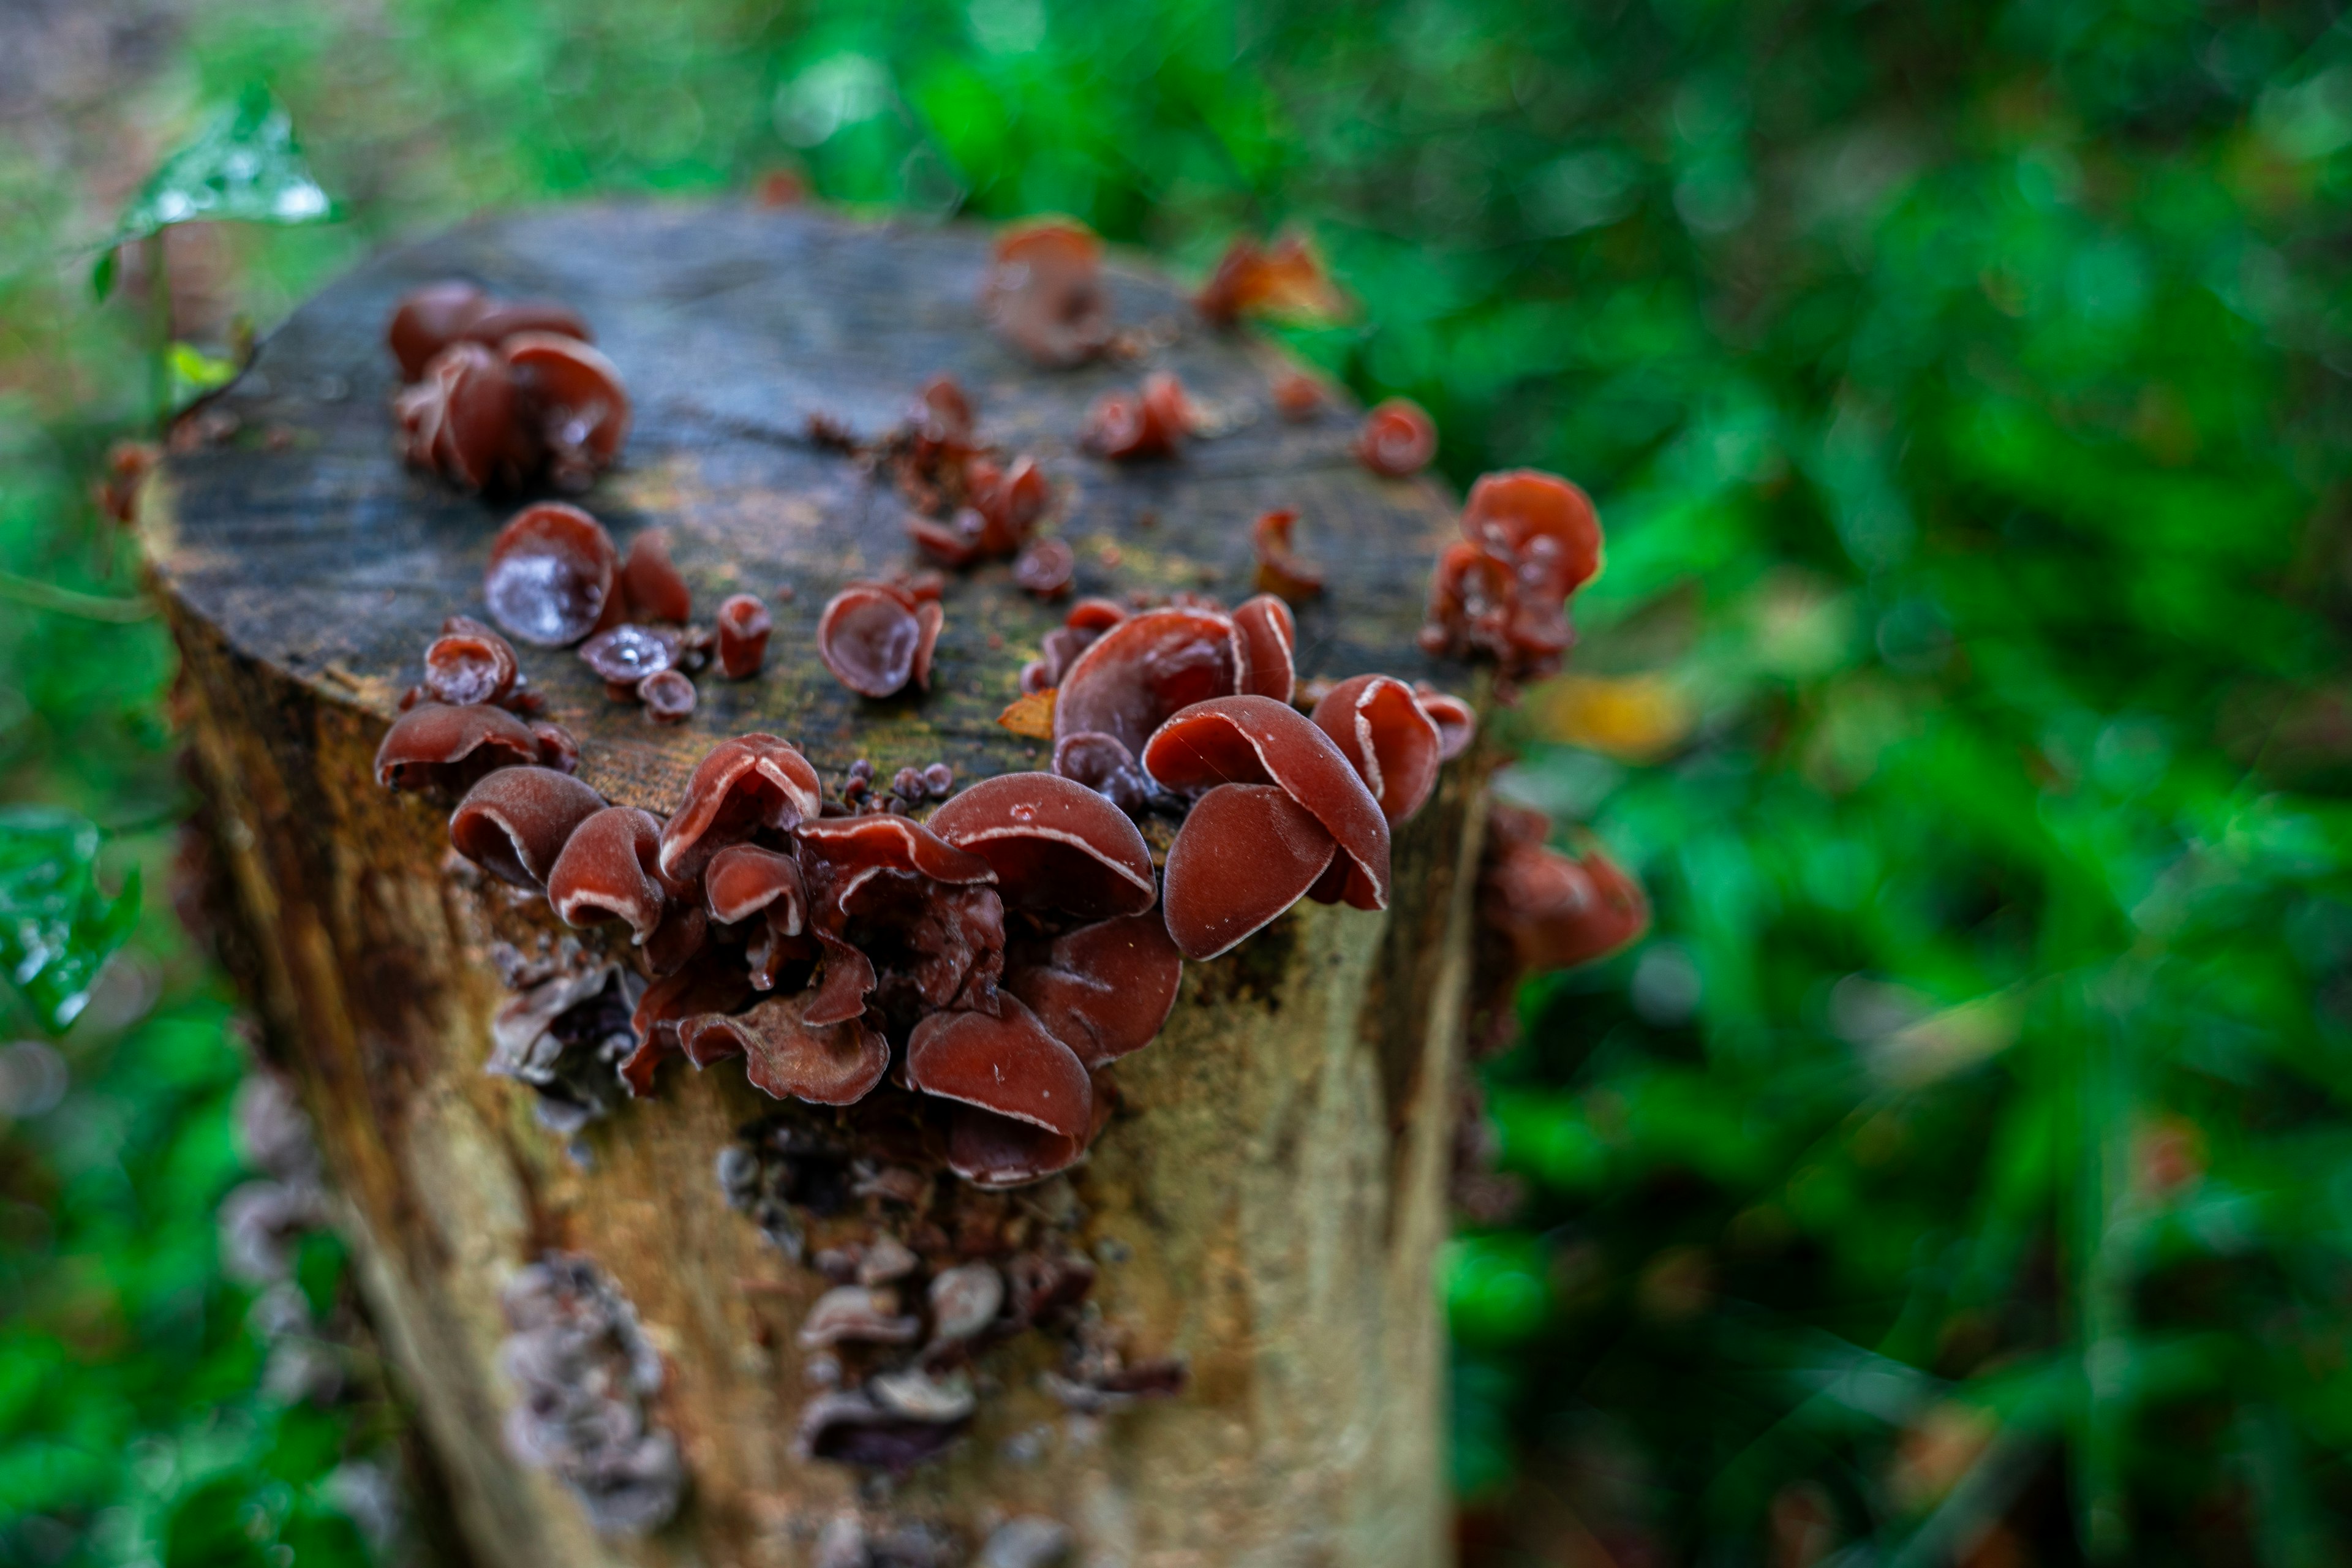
517,821
1045,294
1398,439
745,785
1053,844
790,1057
1151,423
446,750
878,637
551,575
1279,568
1392,743
743,629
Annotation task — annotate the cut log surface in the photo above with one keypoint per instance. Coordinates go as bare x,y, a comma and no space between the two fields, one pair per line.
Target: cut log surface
1268,1201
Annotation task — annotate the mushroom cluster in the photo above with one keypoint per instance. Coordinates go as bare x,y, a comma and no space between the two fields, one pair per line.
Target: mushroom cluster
1540,909
498,391
1500,593
1152,421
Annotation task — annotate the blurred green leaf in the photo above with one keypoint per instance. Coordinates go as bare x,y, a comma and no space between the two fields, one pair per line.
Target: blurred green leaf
56,926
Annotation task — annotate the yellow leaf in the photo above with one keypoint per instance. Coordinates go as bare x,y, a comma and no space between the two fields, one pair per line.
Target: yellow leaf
1031,716
1634,718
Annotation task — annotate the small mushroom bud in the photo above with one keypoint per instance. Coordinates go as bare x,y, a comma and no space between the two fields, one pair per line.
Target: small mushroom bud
438,747
629,653
1297,396
1144,668
1045,567
1152,423
1398,439
655,589
1279,568
743,629
1105,766
1392,743
668,696
516,822
1045,294
552,573
859,1314
788,1056
875,638
468,663
1103,990
744,786
608,870
573,398
1256,739
1456,721
1007,1064
1265,636
1053,844
965,1300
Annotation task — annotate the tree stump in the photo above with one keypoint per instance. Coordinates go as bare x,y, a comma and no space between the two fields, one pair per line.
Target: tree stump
1268,1201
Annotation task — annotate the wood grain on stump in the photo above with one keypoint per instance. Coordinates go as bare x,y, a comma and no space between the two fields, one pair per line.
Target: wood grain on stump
1269,1200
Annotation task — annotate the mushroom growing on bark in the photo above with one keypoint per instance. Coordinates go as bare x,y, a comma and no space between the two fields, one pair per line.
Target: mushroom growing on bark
1151,423
876,637
516,822
1279,568
743,629
446,750
1045,294
744,786
1398,439
1389,737
551,575
1531,539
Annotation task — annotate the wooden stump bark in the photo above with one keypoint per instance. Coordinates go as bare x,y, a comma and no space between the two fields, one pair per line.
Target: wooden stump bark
1269,1200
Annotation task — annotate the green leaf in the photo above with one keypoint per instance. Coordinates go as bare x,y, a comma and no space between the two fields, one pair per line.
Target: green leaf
194,372
244,164
56,926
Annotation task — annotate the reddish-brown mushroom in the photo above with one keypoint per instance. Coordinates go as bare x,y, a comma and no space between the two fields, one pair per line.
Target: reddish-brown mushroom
1456,721
1297,396
1256,740
1392,743
1546,526
1279,568
1144,668
468,663
558,749
708,986
876,637
1053,844
1045,567
435,746
745,785
462,419
551,575
995,1153
1265,639
517,821
851,851
629,653
501,320
652,584
1532,539
1006,1064
1398,439
1247,853
573,399
430,319
744,879
1556,910
1284,278
743,629
1104,764
1044,293
1104,990
608,870
788,1056
1001,505
668,696
1152,423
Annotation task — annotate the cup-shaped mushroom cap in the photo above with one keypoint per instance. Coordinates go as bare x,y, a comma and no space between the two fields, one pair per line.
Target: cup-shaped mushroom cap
430,319
655,592
551,574
1044,293
790,1057
468,663
1280,571
743,629
995,1153
608,871
574,394
1558,910
853,850
1104,990
1456,720
1007,1064
1053,844
1265,640
1383,731
1151,423
629,653
1541,520
745,785
1398,439
743,880
1256,739
1045,567
1247,853
500,320
868,636
1144,668
1094,616
515,822
481,440
436,746
1105,766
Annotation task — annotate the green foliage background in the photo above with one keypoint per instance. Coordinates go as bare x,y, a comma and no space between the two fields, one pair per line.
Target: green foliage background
1962,1170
